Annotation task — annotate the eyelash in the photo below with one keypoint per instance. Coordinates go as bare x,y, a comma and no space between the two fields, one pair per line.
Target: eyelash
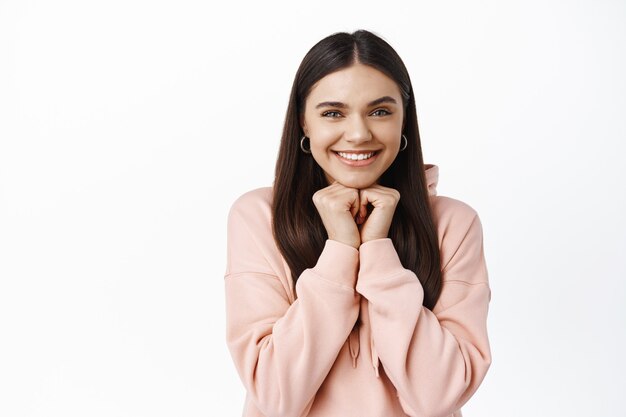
325,114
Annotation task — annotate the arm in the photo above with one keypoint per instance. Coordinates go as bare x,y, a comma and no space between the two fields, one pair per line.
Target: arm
436,361
282,351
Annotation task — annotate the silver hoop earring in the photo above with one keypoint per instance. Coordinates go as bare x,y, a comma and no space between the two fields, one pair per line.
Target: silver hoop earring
302,145
406,142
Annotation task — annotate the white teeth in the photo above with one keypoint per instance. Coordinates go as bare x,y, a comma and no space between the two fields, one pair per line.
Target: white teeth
356,156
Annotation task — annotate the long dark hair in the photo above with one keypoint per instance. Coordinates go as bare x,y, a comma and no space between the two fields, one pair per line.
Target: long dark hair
297,227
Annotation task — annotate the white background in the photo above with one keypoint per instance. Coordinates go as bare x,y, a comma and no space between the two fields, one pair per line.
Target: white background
127,129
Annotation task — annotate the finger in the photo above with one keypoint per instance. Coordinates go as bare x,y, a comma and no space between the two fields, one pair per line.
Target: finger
378,197
354,203
364,200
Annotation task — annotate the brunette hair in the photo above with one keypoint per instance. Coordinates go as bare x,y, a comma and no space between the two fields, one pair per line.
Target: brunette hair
297,227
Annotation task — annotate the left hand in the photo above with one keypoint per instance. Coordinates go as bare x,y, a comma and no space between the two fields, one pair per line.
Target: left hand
384,201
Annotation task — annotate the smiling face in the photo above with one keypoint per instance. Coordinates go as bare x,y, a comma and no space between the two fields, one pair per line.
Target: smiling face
350,114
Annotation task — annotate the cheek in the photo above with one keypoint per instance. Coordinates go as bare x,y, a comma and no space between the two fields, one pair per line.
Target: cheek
391,138
323,138
320,149
388,132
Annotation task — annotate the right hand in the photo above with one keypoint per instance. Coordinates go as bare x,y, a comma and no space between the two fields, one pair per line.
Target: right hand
337,206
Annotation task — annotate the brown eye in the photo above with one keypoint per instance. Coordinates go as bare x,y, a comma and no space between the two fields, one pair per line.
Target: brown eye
383,110
328,114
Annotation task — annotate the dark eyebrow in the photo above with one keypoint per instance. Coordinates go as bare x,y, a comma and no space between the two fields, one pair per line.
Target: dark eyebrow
338,104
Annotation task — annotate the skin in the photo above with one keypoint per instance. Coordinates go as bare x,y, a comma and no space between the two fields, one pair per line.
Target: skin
356,126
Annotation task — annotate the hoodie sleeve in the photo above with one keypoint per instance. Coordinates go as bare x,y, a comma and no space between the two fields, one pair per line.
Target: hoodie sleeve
282,351
436,361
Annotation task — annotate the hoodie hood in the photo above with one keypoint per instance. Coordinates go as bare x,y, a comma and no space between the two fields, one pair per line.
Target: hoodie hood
432,177
354,340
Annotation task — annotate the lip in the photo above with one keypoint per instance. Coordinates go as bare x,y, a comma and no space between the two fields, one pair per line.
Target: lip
357,163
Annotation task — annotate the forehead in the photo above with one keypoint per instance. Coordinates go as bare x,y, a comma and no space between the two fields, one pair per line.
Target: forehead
356,84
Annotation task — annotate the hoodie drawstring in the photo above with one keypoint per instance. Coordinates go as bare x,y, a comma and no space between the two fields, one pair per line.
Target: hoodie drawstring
374,358
354,340
354,345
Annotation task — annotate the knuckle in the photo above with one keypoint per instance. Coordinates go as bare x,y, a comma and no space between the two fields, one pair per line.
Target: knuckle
318,197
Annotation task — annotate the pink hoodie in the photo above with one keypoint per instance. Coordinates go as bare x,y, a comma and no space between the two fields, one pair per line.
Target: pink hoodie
305,356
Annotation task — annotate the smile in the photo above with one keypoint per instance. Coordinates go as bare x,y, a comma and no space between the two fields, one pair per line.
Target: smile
356,159
355,156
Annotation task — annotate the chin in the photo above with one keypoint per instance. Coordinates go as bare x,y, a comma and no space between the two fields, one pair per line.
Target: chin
357,183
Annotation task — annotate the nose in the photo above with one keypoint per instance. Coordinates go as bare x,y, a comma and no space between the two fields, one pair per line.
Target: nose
357,131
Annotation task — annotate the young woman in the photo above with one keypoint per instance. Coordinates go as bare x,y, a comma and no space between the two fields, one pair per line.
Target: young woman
352,288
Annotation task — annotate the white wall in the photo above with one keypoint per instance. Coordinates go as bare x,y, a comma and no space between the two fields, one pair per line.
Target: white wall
127,128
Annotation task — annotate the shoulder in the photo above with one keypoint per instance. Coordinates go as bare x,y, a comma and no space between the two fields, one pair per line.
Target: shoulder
251,214
451,212
252,203
255,197
459,231
251,246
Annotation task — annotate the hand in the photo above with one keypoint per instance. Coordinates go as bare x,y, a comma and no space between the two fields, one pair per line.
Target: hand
337,206
384,201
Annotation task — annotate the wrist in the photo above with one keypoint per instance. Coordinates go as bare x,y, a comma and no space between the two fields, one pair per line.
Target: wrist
370,238
354,244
